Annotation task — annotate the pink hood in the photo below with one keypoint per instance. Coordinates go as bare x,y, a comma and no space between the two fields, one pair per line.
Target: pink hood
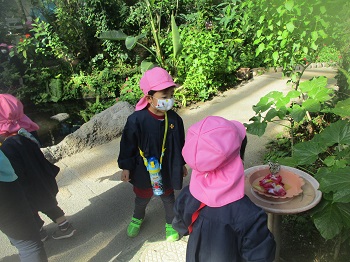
12,117
212,150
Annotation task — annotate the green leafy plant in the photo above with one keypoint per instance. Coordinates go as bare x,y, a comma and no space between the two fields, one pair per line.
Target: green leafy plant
155,29
289,33
9,77
238,28
204,64
329,54
325,154
130,91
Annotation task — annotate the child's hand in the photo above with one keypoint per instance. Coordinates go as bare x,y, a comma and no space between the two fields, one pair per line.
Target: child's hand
185,172
125,176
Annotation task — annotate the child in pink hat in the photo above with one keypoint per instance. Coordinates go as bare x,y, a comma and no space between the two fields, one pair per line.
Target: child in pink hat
35,173
223,224
153,131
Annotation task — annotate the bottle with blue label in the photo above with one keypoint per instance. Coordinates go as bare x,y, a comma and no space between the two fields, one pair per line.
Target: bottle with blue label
153,168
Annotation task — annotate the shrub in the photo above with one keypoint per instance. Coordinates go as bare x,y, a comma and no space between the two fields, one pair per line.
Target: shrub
204,65
130,90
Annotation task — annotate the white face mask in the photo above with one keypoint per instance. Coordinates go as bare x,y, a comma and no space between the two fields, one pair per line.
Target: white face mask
164,104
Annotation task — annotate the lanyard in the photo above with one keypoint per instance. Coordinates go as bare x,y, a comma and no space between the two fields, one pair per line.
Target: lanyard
163,145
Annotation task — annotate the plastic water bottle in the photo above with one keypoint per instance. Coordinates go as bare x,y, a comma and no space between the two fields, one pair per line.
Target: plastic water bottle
155,175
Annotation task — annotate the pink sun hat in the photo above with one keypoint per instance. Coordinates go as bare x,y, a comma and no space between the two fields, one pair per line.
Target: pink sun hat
12,117
212,150
155,79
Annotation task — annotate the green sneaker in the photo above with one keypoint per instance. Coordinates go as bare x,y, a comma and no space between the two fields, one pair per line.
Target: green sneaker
134,227
171,234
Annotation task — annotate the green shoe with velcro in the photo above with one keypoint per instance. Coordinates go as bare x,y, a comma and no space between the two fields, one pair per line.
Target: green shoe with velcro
134,227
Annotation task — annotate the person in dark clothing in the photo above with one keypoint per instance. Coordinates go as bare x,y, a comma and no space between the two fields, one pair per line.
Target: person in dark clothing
153,130
36,174
223,224
16,217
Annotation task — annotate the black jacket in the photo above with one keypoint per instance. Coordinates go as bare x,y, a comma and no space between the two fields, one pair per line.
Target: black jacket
35,173
146,132
231,233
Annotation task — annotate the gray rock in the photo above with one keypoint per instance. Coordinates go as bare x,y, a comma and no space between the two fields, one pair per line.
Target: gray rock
60,117
101,128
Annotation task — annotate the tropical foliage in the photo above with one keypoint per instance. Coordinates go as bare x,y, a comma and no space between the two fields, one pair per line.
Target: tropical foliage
317,117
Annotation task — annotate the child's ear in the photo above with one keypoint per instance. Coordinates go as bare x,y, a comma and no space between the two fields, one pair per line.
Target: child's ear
149,99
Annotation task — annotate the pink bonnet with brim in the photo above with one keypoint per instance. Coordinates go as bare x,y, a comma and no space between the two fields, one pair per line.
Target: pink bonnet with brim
212,150
12,117
155,79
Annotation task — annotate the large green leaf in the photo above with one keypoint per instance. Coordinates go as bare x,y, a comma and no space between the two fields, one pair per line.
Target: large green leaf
282,101
336,133
272,113
307,152
130,42
176,38
316,88
297,113
316,82
293,94
345,210
312,105
342,196
279,98
336,180
256,128
113,35
342,108
275,95
263,105
329,221
146,65
288,161
282,112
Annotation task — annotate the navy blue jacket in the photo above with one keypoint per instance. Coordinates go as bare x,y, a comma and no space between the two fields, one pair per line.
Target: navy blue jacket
234,232
144,131
36,174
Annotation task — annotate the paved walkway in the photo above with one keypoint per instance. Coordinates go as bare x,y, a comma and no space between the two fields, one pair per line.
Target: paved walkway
100,206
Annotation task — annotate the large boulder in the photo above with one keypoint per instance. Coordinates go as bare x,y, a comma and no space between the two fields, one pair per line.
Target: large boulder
101,129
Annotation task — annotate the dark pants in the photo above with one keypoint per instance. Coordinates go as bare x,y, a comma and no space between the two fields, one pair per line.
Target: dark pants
53,214
168,202
30,250
18,223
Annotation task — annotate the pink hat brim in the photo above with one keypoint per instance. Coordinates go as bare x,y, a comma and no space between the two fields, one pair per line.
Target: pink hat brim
141,104
219,187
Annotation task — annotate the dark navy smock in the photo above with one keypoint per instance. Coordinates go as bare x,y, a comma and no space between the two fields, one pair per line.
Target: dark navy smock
231,233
